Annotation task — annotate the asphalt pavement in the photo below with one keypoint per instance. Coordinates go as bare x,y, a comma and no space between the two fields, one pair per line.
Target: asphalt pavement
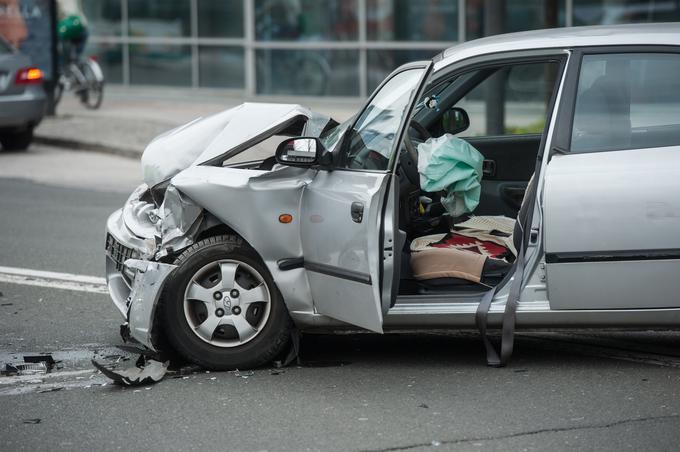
357,392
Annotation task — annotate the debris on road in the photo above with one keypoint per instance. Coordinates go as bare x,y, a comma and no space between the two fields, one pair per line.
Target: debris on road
145,371
238,373
31,365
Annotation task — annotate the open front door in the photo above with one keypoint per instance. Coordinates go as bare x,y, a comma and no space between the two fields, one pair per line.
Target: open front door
347,229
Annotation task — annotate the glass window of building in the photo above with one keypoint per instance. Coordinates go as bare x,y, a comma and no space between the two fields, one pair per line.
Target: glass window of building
513,16
221,67
380,62
220,18
409,20
110,59
306,20
605,12
159,18
160,64
308,72
103,16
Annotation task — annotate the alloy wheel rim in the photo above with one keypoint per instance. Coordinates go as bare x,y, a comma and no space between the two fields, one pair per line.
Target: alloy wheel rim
227,303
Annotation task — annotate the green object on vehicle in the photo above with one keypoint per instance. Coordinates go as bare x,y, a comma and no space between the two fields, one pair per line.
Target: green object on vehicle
71,28
455,166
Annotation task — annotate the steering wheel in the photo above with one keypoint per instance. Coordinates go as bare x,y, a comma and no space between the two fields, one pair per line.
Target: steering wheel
424,133
409,159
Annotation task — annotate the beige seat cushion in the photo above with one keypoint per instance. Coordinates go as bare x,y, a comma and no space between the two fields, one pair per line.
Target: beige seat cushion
433,263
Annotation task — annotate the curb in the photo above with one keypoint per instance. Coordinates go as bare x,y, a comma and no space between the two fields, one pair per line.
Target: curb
75,145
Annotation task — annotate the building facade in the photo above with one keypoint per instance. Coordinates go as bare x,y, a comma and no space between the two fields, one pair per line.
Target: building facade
338,48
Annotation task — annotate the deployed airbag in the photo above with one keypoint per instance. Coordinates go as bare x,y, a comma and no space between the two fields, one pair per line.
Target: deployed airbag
455,166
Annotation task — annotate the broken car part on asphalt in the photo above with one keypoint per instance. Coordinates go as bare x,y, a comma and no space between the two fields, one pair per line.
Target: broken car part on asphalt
145,371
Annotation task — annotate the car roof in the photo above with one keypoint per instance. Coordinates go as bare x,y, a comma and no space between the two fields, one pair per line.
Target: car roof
601,35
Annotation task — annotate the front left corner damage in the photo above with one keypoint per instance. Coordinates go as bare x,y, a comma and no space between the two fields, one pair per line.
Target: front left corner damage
146,290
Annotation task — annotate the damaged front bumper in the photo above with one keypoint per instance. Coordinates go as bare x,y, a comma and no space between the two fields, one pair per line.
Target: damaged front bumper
146,290
135,283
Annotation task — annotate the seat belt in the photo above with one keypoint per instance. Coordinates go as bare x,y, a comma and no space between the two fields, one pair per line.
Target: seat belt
493,358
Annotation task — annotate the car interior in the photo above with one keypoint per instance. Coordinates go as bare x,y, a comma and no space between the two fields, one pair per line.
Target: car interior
509,154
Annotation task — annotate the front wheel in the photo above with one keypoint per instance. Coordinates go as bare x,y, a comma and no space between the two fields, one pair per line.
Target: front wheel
221,308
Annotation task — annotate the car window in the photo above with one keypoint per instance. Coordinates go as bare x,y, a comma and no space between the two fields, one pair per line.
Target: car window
627,101
369,143
330,138
511,100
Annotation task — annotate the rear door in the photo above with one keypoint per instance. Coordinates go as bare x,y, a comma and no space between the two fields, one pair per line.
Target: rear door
347,232
611,204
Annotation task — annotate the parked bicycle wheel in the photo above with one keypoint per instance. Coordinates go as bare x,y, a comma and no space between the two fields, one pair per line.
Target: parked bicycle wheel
92,93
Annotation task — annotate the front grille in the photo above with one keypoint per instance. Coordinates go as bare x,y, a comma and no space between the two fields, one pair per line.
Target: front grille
117,251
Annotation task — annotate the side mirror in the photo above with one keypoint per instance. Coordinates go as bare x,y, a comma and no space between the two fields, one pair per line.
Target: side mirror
455,120
303,151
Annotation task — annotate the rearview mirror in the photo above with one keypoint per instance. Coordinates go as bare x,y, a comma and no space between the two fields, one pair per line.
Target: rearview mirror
302,151
455,120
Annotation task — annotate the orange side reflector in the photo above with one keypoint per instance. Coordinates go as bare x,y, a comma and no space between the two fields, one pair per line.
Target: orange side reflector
285,218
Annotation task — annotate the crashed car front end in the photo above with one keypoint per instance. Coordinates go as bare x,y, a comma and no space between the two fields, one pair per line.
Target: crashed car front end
140,237
158,221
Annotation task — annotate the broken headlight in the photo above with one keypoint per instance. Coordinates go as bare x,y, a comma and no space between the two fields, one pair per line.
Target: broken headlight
140,214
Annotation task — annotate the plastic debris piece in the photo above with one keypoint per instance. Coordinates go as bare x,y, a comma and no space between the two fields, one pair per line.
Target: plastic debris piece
50,363
55,389
145,371
238,373
25,369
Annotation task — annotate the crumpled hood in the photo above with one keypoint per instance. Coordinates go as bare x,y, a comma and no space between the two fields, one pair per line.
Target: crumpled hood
205,139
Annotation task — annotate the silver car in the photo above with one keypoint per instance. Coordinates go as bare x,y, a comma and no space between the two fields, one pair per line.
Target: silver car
270,219
22,98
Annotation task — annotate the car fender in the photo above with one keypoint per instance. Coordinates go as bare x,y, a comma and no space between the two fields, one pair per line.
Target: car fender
250,203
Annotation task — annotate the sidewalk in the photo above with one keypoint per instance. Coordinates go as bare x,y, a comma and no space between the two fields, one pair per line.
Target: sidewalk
131,116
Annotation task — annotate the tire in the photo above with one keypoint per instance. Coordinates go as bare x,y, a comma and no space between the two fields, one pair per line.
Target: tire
184,318
92,93
16,141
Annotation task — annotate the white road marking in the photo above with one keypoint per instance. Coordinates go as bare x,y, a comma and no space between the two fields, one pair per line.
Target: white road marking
54,280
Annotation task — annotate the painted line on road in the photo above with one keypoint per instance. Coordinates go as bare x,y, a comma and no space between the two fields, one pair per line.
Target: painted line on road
53,280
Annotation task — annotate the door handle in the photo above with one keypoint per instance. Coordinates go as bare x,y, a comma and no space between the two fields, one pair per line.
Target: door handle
489,168
357,211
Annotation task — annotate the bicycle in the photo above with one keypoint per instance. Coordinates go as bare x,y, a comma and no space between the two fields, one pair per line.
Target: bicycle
85,77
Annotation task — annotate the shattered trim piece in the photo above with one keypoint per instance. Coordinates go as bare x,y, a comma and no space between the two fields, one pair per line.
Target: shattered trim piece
145,371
